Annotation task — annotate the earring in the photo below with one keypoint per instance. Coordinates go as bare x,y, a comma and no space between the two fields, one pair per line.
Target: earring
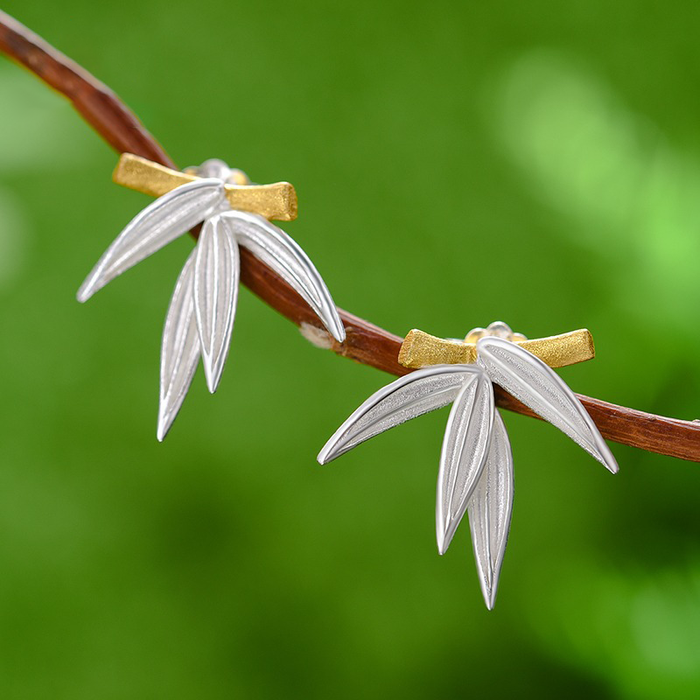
476,464
202,310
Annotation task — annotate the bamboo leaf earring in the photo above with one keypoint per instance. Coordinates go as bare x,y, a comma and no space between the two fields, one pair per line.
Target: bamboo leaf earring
202,310
476,466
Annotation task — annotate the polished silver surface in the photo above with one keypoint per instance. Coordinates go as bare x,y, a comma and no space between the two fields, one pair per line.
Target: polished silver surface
490,509
408,397
158,224
216,276
464,451
180,349
214,167
540,388
283,255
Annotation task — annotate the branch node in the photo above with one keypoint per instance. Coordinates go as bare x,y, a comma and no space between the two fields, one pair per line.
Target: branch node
316,336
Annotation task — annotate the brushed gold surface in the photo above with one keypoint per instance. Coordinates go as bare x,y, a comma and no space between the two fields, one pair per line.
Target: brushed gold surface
276,201
420,349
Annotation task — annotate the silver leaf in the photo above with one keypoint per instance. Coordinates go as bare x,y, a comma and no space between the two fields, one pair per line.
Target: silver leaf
464,452
413,395
180,349
536,385
490,509
282,254
157,225
216,275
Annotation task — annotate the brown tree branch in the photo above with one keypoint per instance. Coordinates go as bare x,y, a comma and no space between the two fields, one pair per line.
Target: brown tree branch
365,343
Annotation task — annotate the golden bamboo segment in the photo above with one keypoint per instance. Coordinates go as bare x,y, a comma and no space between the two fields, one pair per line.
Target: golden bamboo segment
276,201
420,349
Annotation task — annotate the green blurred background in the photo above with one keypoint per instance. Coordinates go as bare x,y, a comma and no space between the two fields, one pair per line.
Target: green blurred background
456,163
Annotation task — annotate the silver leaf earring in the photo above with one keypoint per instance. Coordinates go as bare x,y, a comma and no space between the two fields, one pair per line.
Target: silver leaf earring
476,466
202,310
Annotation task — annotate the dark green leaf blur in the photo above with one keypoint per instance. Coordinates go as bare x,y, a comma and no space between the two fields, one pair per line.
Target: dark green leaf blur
456,163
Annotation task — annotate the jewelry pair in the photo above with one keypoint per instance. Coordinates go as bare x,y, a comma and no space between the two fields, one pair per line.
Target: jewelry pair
476,466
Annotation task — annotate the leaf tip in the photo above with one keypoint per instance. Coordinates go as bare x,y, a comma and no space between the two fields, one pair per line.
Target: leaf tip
337,330
604,454
165,420
213,377
444,537
325,455
86,291
612,466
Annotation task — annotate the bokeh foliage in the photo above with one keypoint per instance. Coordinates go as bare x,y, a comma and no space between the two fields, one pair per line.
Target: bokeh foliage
456,163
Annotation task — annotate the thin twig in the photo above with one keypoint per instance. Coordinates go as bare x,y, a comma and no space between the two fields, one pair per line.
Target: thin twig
365,343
